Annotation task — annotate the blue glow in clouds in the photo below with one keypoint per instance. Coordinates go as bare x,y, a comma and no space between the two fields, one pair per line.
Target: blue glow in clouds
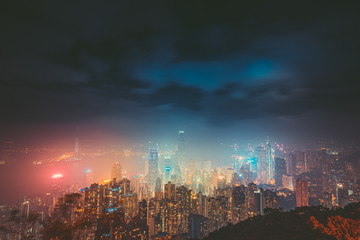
211,75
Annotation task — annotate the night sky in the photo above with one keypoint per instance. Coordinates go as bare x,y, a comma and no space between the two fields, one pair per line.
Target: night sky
230,69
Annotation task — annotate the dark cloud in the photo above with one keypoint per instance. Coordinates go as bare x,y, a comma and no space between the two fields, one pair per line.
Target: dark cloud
222,62
177,96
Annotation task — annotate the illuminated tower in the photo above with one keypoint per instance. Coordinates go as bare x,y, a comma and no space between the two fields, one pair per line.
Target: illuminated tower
180,157
153,168
260,155
57,185
89,177
302,193
270,166
116,172
181,143
158,191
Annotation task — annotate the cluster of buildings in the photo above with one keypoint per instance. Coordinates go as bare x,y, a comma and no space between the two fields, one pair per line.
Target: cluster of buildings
181,198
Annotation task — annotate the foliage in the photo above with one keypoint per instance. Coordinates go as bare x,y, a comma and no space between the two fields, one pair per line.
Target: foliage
302,223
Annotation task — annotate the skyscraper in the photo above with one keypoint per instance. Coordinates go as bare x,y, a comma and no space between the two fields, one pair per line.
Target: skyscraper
153,168
299,163
57,185
238,202
116,172
169,191
197,226
89,177
180,158
280,170
270,168
125,184
260,155
302,193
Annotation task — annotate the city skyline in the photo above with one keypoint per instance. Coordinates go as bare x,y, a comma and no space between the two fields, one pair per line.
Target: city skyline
157,119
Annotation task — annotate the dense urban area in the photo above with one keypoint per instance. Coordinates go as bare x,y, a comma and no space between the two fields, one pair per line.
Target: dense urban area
177,197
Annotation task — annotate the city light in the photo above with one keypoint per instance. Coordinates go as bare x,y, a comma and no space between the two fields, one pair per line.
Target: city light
58,175
106,181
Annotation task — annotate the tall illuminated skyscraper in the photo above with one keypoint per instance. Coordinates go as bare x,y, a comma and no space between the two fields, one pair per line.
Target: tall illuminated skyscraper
270,166
89,177
57,185
180,158
153,168
260,155
116,172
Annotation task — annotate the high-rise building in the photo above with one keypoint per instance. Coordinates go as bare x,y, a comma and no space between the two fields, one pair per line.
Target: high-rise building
299,161
270,168
280,170
158,189
302,193
271,199
89,177
197,226
125,184
291,166
169,216
116,172
221,181
217,212
57,185
180,158
260,156
238,204
143,210
168,168
288,182
153,168
169,191
92,201
251,203
183,199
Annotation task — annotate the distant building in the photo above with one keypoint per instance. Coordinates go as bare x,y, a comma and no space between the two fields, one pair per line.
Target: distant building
125,184
260,156
280,170
169,191
298,161
288,182
270,168
89,177
302,193
116,172
153,168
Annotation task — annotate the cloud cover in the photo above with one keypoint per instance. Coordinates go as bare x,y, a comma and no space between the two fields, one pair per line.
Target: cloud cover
281,64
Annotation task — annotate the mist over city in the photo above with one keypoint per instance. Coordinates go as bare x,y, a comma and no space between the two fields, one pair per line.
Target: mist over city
179,120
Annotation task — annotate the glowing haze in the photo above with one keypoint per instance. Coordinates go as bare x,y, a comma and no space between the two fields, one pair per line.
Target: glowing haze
128,72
